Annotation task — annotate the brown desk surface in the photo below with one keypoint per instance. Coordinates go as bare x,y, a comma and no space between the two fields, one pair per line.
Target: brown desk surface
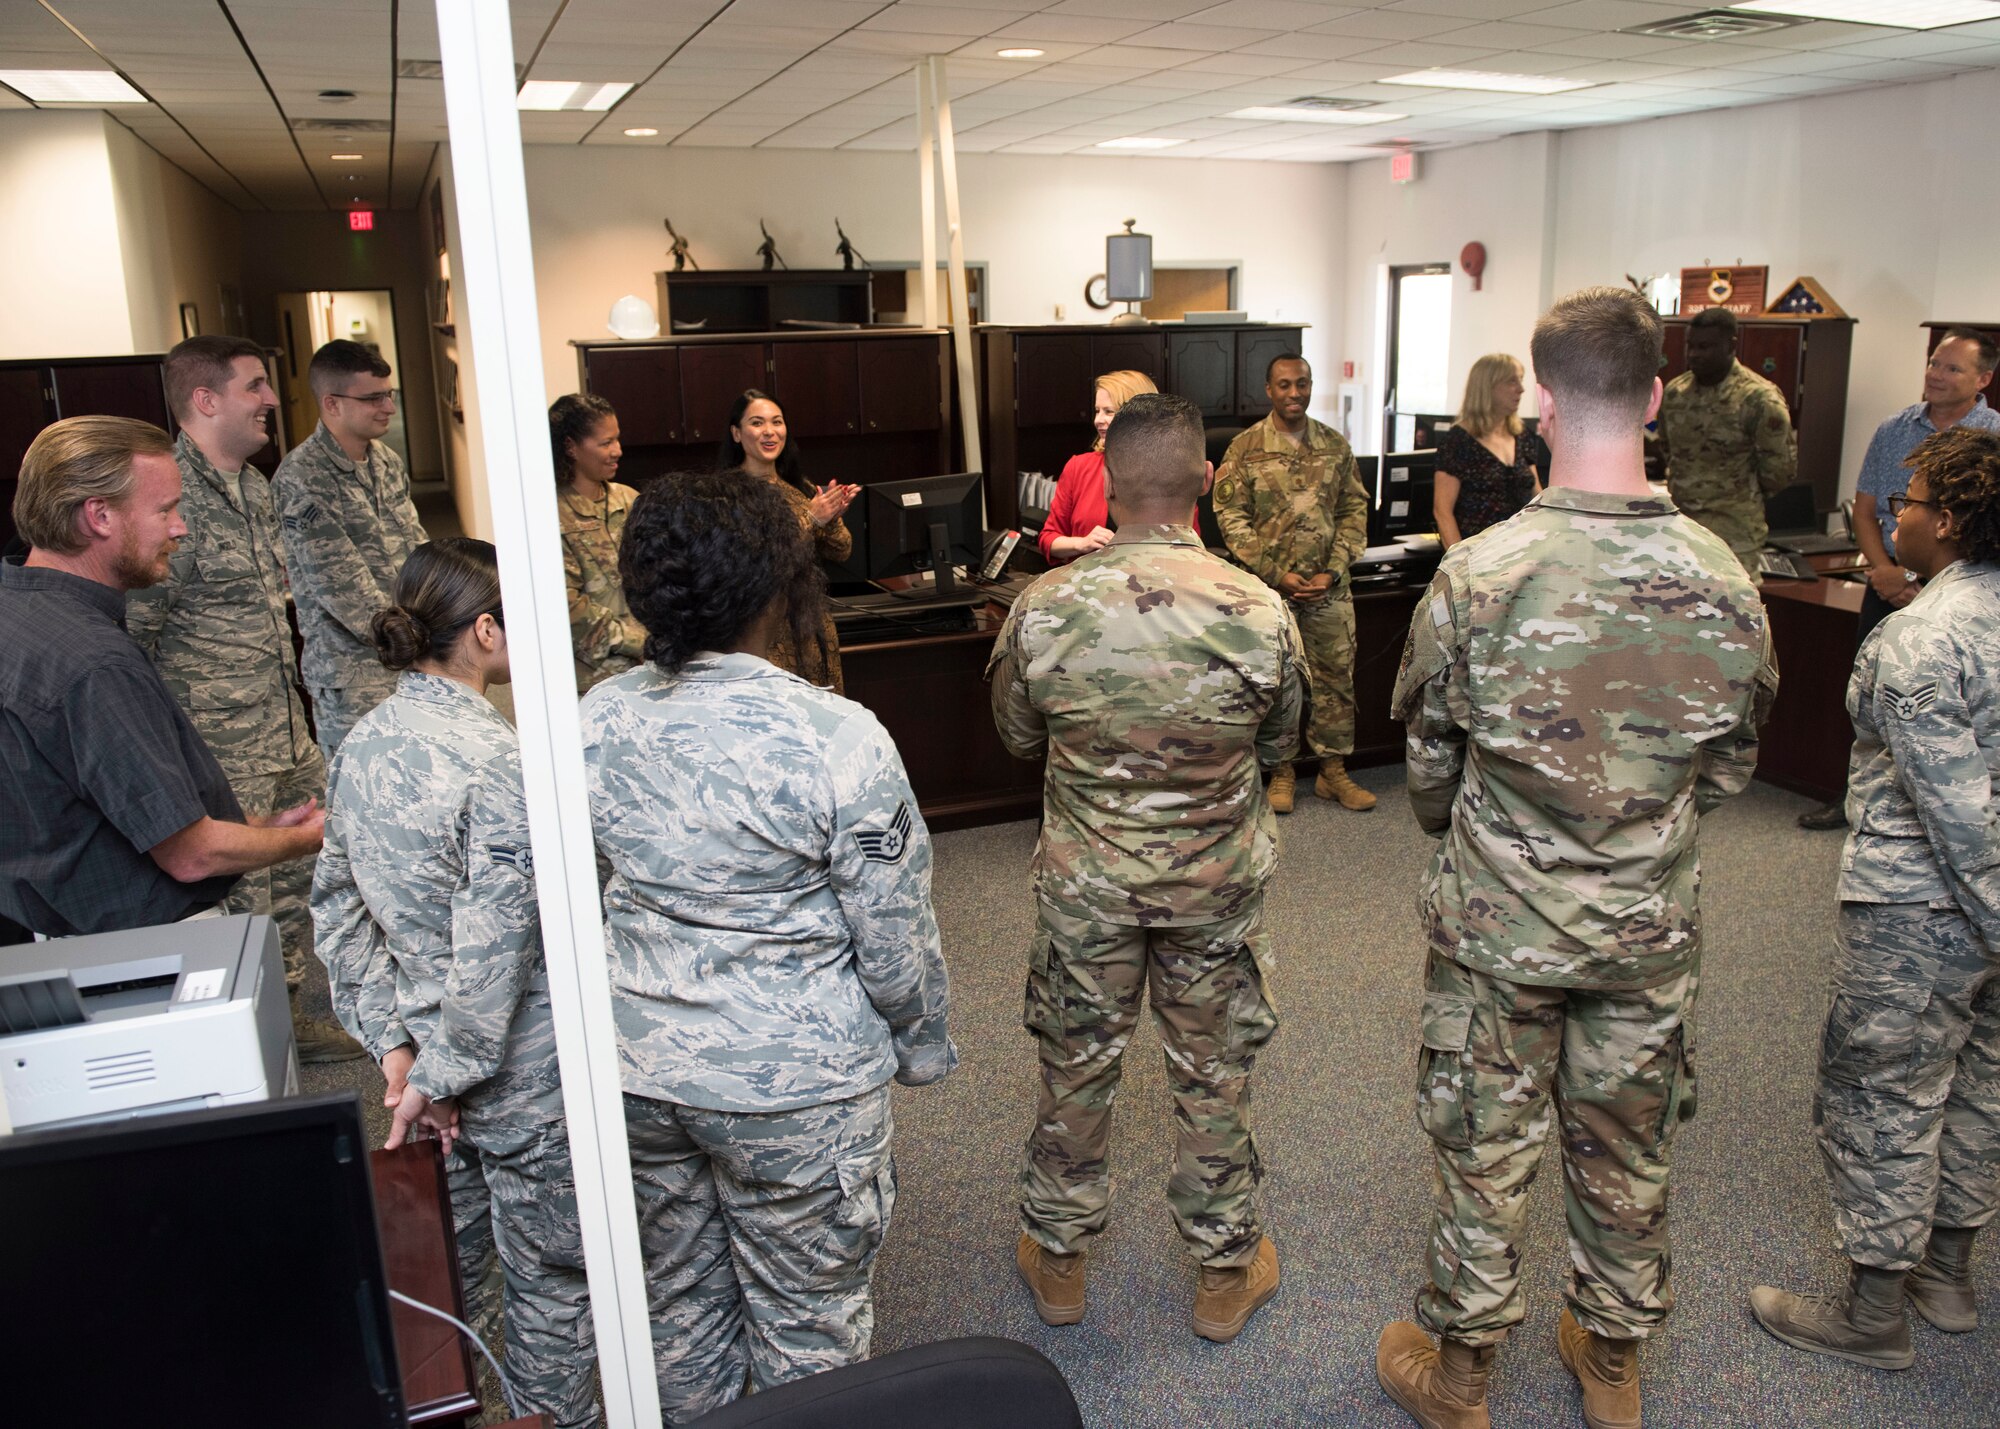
1813,624
420,1254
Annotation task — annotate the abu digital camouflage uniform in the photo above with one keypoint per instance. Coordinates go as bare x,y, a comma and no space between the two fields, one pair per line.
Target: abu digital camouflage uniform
1579,683
1156,679
349,526
1300,507
1727,448
774,963
424,913
606,639
1908,1109
217,630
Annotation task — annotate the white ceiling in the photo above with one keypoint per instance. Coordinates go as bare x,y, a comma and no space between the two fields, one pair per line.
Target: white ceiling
229,79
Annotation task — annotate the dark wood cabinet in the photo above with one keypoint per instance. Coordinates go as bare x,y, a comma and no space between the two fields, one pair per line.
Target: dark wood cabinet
818,385
1202,367
712,378
36,392
1053,373
867,405
902,385
1129,350
1254,353
1807,360
643,384
1038,385
1936,328
752,300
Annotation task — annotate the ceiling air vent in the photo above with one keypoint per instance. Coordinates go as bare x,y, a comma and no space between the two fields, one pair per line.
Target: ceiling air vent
1715,25
341,126
420,69
1321,103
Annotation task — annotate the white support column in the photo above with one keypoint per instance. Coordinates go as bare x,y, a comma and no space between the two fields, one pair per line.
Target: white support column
927,180
510,445
961,315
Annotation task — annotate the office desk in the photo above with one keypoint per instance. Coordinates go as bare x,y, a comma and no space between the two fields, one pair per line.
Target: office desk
1807,737
419,1253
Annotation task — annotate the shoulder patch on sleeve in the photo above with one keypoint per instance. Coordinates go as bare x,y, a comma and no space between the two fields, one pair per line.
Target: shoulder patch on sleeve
517,856
303,517
886,845
1907,705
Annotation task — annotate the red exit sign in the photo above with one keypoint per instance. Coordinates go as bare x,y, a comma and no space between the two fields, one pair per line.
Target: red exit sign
1403,167
361,220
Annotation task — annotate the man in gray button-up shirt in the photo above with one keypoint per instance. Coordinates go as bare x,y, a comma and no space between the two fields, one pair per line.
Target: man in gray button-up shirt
344,500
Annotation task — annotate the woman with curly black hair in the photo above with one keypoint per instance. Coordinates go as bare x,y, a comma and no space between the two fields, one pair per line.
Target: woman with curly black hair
1909,1085
760,445
591,507
774,955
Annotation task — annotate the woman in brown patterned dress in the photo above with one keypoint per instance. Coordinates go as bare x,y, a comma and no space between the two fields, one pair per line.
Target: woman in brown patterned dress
759,446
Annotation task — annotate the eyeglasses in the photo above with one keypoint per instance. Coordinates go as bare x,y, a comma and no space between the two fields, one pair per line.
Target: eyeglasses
378,400
1897,503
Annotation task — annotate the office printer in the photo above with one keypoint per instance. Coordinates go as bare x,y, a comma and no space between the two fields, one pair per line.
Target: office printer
174,1018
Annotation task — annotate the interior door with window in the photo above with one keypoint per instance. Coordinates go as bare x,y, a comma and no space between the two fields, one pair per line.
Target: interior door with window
1419,352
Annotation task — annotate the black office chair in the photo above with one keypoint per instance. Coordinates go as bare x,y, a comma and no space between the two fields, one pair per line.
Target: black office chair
978,1383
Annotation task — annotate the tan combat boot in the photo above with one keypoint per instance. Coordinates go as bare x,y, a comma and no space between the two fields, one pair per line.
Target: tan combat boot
1334,783
1443,1386
1607,1370
1282,789
1940,1288
1863,1323
1225,1299
1056,1281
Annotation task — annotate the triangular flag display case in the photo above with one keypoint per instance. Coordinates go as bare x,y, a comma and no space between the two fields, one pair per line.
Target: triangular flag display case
1805,298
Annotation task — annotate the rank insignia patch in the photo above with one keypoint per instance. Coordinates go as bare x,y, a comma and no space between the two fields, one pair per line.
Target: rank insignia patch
886,845
1909,706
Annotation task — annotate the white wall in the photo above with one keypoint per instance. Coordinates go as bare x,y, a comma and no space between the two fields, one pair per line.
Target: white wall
62,286
178,243
1496,194
1040,223
1878,194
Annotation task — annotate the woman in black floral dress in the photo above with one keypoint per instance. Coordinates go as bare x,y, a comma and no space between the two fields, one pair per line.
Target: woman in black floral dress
1486,463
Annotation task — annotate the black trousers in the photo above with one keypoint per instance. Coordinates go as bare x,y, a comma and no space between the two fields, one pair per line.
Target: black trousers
977,1383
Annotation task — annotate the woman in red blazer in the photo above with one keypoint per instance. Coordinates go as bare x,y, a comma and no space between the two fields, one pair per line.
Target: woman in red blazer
1077,514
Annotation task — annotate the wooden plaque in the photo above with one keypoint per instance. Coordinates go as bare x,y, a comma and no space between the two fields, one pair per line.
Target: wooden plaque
1741,290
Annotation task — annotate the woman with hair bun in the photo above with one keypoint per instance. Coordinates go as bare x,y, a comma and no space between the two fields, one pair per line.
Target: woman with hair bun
423,909
591,507
774,957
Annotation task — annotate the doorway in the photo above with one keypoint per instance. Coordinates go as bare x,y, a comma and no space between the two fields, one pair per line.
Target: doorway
308,321
1419,327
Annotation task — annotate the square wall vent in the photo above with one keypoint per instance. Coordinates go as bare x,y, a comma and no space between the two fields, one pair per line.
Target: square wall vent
1715,25
420,69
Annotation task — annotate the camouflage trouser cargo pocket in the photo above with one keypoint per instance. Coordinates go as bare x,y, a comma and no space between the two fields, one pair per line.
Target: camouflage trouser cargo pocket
1041,1005
560,1230
1872,1027
1442,1074
1679,1103
867,1176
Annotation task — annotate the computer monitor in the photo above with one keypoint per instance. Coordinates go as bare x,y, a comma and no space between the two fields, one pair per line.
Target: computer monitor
200,1268
926,524
1400,503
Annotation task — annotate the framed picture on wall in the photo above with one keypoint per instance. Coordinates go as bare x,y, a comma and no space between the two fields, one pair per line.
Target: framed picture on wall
190,320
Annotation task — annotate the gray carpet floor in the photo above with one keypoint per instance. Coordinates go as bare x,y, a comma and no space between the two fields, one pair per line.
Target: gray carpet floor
1346,1191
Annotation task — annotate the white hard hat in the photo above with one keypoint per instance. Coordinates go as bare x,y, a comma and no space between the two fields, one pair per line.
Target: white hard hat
633,317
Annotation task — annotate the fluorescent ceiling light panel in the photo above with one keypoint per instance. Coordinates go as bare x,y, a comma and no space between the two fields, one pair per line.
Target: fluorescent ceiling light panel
343,156
550,94
1022,53
1480,79
71,86
1288,115
1140,142
640,133
1896,14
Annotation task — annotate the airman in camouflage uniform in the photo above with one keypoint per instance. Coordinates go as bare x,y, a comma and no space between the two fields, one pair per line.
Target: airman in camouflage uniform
1727,447
605,637
1292,508
775,962
1154,679
348,525
424,906
217,629
1579,683
1908,1108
